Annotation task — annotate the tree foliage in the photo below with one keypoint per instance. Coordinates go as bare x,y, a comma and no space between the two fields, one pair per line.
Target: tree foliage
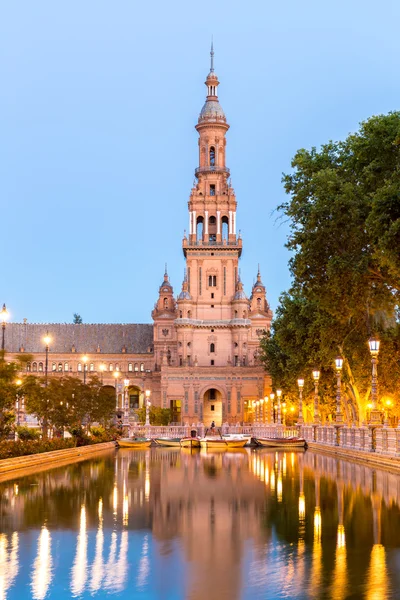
67,402
344,214
157,415
77,319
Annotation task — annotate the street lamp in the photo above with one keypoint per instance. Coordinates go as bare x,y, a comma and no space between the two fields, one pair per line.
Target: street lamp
126,406
316,374
84,360
266,418
375,417
279,394
116,375
4,316
339,367
47,340
148,404
272,413
18,383
300,383
284,412
262,415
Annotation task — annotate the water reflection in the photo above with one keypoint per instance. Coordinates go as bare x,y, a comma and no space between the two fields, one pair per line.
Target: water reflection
245,524
42,567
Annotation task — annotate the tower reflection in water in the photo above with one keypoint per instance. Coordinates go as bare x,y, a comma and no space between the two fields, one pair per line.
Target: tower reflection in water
241,524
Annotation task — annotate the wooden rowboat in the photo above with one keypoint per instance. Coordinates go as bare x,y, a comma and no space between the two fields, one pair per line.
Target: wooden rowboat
236,442
175,442
190,442
213,443
133,443
288,442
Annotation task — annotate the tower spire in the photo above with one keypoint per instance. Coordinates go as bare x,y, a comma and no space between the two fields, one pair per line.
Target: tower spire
212,55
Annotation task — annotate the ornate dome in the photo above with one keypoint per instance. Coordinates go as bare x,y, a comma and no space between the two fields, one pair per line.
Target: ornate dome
212,109
184,295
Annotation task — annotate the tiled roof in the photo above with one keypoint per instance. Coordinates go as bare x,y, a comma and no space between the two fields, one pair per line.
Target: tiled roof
86,338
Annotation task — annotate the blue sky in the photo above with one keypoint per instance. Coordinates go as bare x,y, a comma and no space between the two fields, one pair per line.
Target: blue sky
98,104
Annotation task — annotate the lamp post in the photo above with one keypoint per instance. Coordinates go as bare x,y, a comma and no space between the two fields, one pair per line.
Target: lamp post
47,340
126,402
284,412
84,360
316,374
275,413
148,404
116,375
18,383
272,413
375,417
339,367
266,416
300,383
279,394
4,316
262,410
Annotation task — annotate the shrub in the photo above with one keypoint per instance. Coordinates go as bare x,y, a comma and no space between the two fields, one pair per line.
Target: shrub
27,433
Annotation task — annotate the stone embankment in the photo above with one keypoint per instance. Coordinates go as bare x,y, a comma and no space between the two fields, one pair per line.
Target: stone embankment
21,465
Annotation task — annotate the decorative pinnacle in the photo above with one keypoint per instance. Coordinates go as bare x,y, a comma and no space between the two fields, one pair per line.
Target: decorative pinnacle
212,56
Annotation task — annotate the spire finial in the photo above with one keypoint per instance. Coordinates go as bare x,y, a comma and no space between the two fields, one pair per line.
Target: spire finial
212,55
166,270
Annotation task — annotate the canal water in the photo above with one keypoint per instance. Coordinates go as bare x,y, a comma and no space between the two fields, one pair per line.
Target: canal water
173,525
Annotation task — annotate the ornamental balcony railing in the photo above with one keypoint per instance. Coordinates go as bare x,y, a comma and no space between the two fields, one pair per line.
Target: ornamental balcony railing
207,243
211,169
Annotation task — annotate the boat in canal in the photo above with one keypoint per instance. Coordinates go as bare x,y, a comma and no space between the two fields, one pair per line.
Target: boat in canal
174,442
190,442
133,443
223,443
286,442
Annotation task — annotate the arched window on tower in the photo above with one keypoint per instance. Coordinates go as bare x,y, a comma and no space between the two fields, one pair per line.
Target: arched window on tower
212,347
165,302
199,228
259,303
212,156
225,228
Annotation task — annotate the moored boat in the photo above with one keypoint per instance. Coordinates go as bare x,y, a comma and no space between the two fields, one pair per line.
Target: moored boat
175,442
213,443
236,442
133,443
287,442
190,442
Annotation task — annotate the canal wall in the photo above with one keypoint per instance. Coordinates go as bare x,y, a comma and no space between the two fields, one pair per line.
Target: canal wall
20,465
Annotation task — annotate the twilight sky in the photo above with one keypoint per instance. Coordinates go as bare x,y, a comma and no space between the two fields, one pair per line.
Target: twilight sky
98,104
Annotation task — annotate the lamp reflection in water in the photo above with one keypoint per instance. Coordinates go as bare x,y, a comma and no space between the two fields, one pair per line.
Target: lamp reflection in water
125,507
98,563
8,563
377,587
116,570
339,580
144,564
79,568
316,568
42,567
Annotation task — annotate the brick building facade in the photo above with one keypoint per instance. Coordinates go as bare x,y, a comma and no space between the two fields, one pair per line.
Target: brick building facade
199,358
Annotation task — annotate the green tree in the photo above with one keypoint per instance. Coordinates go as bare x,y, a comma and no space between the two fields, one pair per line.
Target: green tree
157,415
77,319
9,390
345,221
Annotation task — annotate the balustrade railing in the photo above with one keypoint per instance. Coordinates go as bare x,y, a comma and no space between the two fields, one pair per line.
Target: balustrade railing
380,440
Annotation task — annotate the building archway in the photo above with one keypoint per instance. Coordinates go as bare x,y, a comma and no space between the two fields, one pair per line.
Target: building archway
135,397
212,407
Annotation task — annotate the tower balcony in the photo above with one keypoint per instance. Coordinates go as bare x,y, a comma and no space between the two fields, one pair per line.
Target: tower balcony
193,244
211,169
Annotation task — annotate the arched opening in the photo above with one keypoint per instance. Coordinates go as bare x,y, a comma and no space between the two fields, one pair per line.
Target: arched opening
60,367
40,367
135,398
28,367
53,367
212,229
258,303
166,303
34,367
199,228
225,228
212,156
212,347
212,407
66,367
